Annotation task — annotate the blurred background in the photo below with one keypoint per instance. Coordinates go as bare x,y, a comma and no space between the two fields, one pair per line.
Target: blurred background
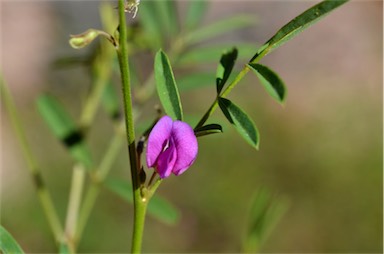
322,151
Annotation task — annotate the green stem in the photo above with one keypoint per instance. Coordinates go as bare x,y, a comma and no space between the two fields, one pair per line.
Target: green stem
50,211
256,58
229,88
102,72
98,178
94,189
42,191
140,212
140,204
127,94
140,209
153,188
74,204
85,211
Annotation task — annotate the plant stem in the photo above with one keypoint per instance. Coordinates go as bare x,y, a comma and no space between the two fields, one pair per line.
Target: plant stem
94,189
140,209
229,88
74,204
127,94
140,204
214,105
102,72
85,211
42,191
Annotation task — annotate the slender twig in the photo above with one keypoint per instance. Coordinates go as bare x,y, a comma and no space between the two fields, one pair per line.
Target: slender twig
42,191
229,88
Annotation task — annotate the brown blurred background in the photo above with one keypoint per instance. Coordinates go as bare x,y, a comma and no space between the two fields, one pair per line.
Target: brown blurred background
322,151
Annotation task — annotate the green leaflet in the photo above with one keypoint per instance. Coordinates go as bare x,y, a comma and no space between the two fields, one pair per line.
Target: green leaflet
8,244
208,129
297,25
243,124
55,116
224,69
271,82
158,207
166,86
64,128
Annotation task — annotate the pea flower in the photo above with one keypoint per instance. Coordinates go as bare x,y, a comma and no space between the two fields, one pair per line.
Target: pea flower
172,147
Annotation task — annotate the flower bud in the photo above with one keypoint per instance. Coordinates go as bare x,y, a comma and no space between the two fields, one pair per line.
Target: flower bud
81,40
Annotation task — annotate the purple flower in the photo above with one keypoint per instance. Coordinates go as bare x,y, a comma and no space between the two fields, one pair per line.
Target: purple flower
172,147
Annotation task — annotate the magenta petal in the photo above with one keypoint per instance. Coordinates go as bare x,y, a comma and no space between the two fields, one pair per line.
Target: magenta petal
186,146
157,139
166,161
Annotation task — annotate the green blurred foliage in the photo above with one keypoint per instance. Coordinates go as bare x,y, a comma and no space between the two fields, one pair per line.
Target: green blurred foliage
322,150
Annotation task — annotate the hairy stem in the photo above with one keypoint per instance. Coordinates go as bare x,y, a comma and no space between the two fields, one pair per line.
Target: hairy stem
140,204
